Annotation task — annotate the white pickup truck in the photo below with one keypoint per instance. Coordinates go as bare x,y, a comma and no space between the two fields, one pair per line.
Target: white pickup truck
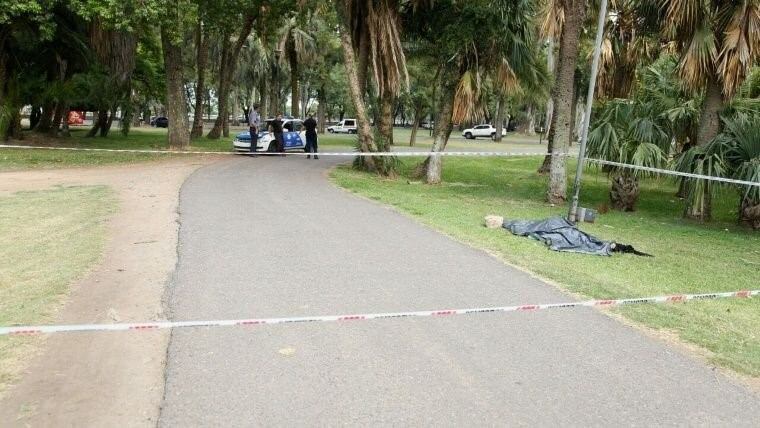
345,126
482,131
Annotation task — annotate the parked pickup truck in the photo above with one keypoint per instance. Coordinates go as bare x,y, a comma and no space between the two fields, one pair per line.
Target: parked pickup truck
482,131
345,126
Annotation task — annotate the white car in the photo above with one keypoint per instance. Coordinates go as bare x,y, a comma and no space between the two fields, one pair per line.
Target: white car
345,126
482,131
294,136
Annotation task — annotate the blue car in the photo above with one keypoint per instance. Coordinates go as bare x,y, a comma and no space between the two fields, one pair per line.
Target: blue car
294,135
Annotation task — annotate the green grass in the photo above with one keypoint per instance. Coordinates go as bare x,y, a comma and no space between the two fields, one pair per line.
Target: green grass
139,138
689,257
47,240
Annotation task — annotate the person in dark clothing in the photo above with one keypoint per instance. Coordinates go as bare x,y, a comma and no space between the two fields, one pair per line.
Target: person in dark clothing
276,128
311,136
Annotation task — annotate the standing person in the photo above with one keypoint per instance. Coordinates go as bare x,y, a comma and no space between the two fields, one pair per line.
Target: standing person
276,128
311,136
254,120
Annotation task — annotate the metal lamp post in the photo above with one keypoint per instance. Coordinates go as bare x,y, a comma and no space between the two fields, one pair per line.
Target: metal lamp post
572,214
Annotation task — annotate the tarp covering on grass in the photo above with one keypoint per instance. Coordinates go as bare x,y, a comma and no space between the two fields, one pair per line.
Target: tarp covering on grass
560,235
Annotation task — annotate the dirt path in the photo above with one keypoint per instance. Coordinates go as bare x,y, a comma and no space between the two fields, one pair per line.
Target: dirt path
75,380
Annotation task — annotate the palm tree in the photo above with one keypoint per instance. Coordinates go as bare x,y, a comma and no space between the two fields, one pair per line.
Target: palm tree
718,43
734,153
297,45
629,132
574,12
643,130
470,45
370,32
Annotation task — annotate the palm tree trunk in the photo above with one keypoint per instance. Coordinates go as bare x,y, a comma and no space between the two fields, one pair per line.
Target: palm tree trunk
548,130
433,165
385,122
709,121
500,118
699,204
575,13
235,108
263,98
321,110
415,126
295,94
60,109
201,58
363,60
624,192
366,139
531,121
749,213
46,120
550,101
178,135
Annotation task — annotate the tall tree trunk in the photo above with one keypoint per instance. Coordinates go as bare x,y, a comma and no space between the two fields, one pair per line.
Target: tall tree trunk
575,13
105,128
34,116
46,120
201,59
295,94
263,99
61,104
531,121
223,91
363,69
366,139
415,126
321,110
127,110
548,130
699,202
547,162
235,108
500,118
65,133
434,164
709,120
550,102
179,134
61,107
227,70
100,118
385,122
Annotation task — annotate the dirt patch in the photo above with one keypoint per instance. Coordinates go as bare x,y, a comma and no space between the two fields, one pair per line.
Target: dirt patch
107,379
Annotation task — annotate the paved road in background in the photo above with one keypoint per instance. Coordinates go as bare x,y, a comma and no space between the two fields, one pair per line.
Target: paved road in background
270,237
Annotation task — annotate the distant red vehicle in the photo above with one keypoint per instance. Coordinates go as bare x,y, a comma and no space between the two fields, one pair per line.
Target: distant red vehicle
76,117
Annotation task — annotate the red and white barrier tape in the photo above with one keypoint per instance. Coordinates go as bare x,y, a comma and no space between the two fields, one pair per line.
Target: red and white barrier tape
398,154
31,330
290,153
671,172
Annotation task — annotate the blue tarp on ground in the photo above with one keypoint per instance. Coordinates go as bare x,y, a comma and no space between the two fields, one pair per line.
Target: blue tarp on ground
559,235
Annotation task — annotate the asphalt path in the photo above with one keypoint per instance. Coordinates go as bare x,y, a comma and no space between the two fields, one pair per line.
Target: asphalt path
272,237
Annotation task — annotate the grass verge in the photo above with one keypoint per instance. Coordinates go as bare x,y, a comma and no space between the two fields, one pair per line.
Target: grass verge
689,257
47,240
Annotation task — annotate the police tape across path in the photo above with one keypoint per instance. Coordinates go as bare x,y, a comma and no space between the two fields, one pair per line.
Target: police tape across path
290,153
157,325
398,154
